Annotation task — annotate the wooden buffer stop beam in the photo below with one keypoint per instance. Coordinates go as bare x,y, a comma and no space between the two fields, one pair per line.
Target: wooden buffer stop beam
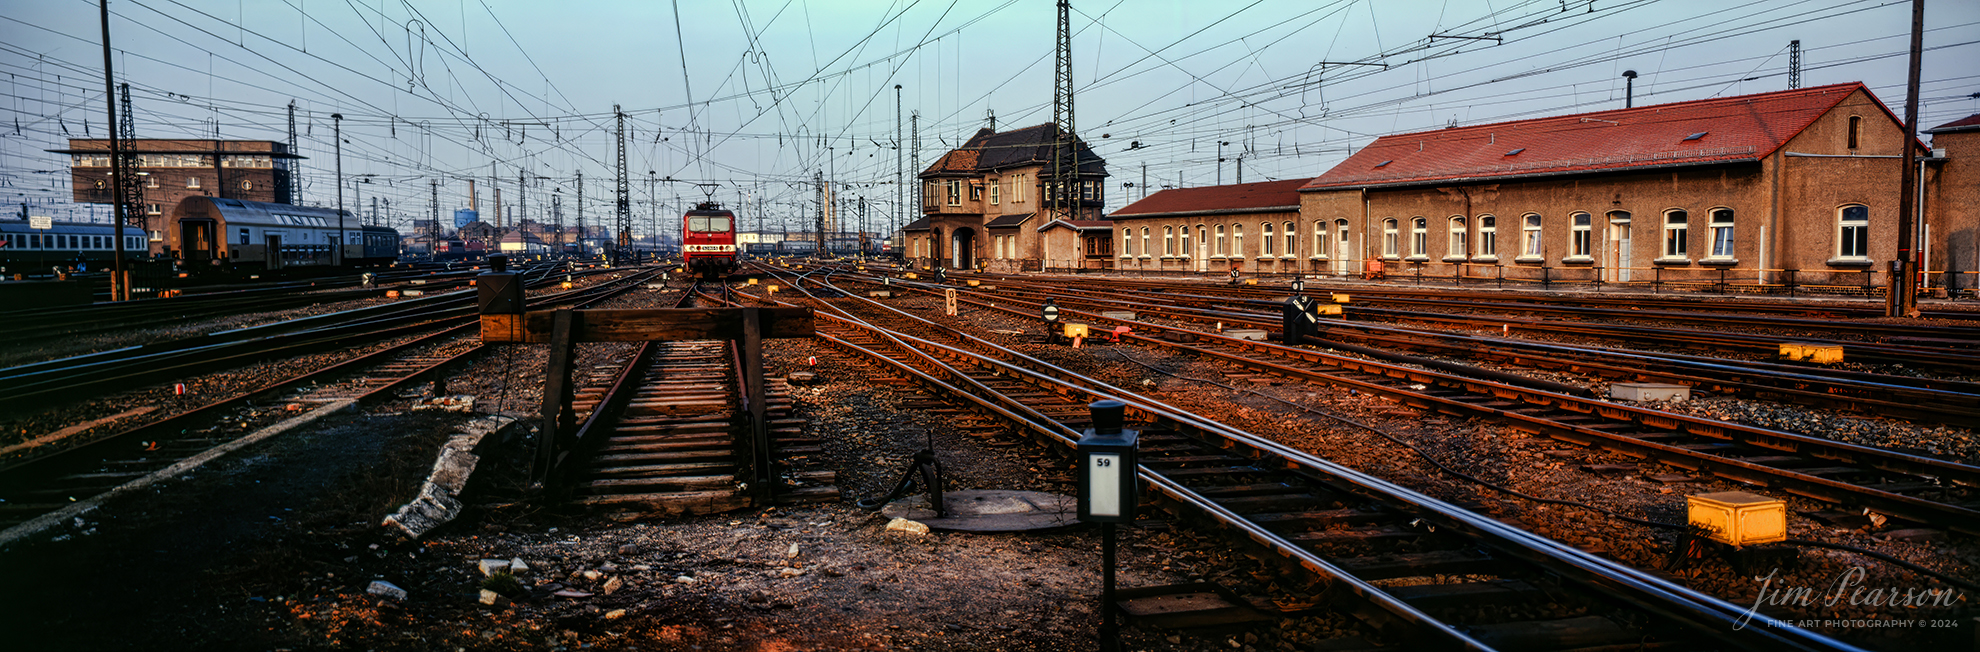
503,321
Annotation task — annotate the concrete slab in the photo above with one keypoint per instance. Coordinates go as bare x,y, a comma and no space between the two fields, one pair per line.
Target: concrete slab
991,510
1649,392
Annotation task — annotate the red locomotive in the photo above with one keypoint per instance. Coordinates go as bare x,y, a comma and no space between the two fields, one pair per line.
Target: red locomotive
708,240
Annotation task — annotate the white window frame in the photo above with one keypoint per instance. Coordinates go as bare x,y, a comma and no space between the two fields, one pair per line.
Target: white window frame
1722,234
1320,232
1488,238
1222,249
996,188
1169,241
1292,240
1185,252
1391,238
1127,242
1677,235
1581,233
1144,242
1237,240
1266,243
1460,236
1419,238
1848,230
192,182
1532,239
954,188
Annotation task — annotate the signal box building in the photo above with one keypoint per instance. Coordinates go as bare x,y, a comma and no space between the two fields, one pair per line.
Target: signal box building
1797,186
991,202
173,170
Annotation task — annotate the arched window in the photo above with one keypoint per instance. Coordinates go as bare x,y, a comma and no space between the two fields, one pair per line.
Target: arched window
1265,242
1127,242
1222,244
1459,234
1855,123
1853,232
1676,234
1186,251
1419,237
1237,240
1144,242
1320,239
1292,240
1168,241
1389,238
1531,234
1722,233
1581,227
1488,237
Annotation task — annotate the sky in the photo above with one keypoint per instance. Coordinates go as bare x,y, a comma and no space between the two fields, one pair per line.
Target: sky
747,101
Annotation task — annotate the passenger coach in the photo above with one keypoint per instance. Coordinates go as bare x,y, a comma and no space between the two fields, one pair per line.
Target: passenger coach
239,233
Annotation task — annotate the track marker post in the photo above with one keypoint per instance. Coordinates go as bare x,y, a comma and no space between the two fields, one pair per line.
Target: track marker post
1109,492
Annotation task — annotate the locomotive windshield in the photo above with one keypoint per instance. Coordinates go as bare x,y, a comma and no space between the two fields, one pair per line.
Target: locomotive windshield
708,223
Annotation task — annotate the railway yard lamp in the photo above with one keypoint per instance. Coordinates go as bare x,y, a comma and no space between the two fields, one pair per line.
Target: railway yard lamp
1050,313
1298,285
1108,494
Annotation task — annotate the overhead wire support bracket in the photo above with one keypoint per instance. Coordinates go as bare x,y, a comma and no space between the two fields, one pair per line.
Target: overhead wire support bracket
1494,39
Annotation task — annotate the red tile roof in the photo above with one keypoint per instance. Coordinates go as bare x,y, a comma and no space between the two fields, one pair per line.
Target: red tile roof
1078,225
1968,123
1242,197
1739,128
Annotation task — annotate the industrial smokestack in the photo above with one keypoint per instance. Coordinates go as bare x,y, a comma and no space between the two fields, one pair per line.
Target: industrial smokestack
1629,88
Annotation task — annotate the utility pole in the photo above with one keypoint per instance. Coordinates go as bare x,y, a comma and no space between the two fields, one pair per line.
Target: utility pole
1144,181
374,210
1903,297
433,227
900,165
624,190
294,165
522,195
914,155
121,211
653,211
557,219
818,182
337,137
580,213
1794,64
1062,117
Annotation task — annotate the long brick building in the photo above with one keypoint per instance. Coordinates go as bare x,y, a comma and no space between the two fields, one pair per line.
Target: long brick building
252,170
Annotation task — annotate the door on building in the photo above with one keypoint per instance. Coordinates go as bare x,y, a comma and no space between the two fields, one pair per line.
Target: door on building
274,251
1343,254
962,246
1618,262
196,240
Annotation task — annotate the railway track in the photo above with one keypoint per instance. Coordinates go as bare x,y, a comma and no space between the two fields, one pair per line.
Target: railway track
1907,397
1359,535
40,490
665,431
1915,488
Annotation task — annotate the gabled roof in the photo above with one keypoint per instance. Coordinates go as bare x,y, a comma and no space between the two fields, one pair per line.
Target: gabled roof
1008,221
1968,123
1078,225
990,151
1258,197
917,225
1698,132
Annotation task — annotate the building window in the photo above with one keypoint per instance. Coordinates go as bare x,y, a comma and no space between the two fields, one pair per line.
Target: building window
1265,246
1144,241
1855,123
1722,233
1674,234
192,182
1186,251
1459,234
1853,232
1419,237
1531,249
1342,226
1237,240
1292,240
955,192
1222,244
995,191
150,181
1488,237
1168,241
1389,238
1127,242
1582,226
244,236
1018,186
152,209
1320,239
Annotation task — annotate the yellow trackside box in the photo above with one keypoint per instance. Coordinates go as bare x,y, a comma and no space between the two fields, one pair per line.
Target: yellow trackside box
974,282
1251,281
1816,353
1327,309
1077,330
911,275
751,281
1340,298
1739,518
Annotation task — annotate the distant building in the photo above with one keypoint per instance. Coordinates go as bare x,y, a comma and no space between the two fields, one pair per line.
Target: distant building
1952,201
1251,226
1791,186
990,201
252,170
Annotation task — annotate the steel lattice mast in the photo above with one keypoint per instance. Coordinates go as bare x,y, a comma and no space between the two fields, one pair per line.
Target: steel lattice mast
624,190
900,169
1065,163
580,213
294,193
818,180
433,227
127,165
117,287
